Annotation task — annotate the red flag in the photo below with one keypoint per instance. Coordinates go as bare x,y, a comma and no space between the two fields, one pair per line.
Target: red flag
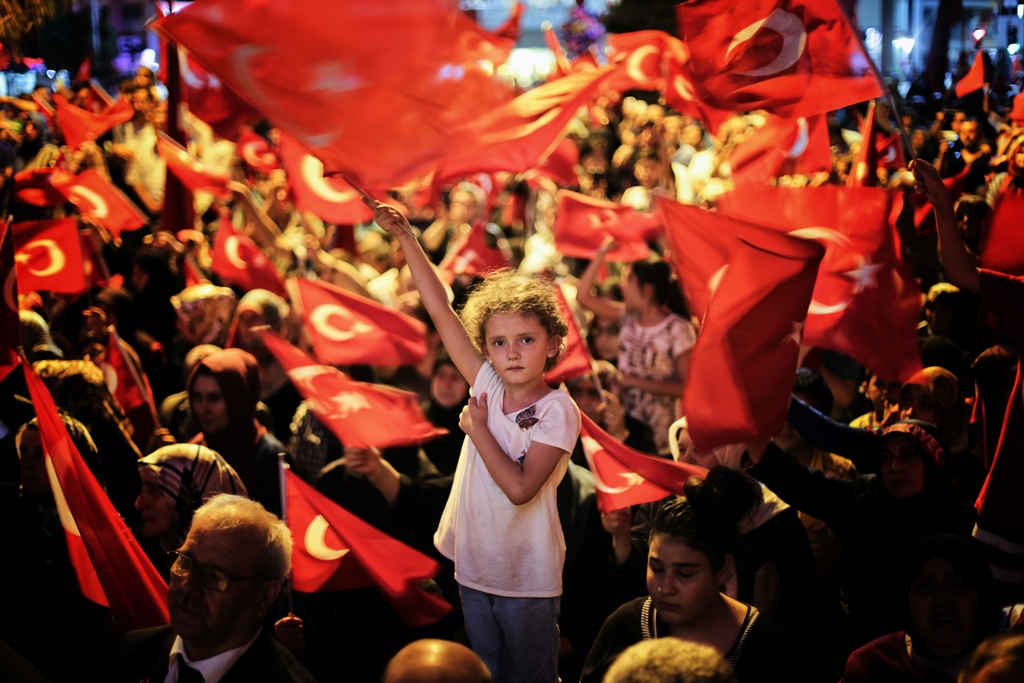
316,70
472,256
583,223
332,199
49,256
32,186
111,567
508,33
238,261
625,477
563,67
797,61
335,550
100,200
924,212
81,126
211,101
348,330
84,69
255,151
974,79
190,170
742,367
10,324
103,98
782,147
1001,247
866,303
130,387
864,172
94,268
361,415
559,167
576,359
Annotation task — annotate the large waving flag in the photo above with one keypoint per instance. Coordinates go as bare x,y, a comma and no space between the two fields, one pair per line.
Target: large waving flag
350,330
99,199
49,256
317,71
782,147
332,199
624,476
866,302
361,415
32,186
335,550
788,57
758,292
239,261
10,325
112,569
211,101
583,223
81,126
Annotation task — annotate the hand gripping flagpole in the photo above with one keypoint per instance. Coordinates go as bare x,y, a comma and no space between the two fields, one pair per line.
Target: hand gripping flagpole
282,467
370,200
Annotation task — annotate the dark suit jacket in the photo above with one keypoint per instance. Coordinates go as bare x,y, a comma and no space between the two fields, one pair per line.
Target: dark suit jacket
142,656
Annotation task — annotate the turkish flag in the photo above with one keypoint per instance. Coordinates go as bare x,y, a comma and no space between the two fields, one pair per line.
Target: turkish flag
332,199
471,255
211,101
974,79
255,150
563,67
782,147
49,256
10,324
238,261
100,200
864,172
576,360
349,330
559,167
316,70
112,569
32,186
81,126
793,58
130,387
335,550
866,302
625,477
190,170
742,366
583,223
1001,247
361,415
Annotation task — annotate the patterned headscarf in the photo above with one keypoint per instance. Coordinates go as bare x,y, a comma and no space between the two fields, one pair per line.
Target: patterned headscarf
204,312
191,474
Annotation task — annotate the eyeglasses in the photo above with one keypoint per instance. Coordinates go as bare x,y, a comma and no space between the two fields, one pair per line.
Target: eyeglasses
210,578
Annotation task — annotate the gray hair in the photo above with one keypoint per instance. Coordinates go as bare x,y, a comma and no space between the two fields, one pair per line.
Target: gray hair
226,512
669,660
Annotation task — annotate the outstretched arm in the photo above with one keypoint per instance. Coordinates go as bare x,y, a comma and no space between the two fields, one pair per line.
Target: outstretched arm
956,261
602,306
432,292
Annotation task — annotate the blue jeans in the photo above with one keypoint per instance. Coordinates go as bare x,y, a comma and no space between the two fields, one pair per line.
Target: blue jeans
516,637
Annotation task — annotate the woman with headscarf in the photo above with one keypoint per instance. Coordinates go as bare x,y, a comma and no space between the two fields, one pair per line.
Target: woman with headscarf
949,607
176,481
223,390
1012,180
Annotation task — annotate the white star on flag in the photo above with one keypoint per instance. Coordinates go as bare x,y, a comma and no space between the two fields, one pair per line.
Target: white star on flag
864,276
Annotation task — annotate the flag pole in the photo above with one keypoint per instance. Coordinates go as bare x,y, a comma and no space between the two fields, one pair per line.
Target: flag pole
282,468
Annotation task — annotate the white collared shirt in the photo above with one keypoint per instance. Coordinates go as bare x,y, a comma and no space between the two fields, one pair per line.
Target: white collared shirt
212,668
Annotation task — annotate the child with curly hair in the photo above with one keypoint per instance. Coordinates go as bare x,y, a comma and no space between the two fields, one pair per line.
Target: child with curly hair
501,526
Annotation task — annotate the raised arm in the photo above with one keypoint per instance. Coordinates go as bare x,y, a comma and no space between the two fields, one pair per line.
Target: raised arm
956,261
432,292
602,306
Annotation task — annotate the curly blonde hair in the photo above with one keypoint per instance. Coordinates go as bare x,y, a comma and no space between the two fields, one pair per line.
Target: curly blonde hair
509,292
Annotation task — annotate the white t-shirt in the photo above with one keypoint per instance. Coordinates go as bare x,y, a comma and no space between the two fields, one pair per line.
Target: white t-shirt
499,548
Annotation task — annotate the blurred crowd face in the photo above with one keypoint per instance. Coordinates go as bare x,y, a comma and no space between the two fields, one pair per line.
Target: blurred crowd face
208,404
916,404
159,518
464,207
970,134
944,609
882,391
901,468
606,338
142,101
448,387
588,398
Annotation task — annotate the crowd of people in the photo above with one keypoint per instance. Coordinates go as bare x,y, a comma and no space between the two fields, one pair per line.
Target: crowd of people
841,548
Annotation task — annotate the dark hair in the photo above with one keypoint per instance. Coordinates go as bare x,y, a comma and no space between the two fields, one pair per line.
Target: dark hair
657,272
811,384
706,518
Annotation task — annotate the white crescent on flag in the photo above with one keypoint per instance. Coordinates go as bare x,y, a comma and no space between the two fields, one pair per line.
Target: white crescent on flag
794,40
316,542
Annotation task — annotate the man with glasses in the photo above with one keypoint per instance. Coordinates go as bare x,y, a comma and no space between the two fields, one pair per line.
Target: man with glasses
223,581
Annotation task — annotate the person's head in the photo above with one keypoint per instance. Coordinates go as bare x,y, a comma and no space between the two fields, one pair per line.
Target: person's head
970,134
510,313
881,391
669,660
196,354
35,482
375,251
693,135
81,95
603,336
919,138
467,203
647,171
933,395
912,457
204,312
448,388
80,387
999,659
259,308
951,604
691,540
144,77
142,100
36,340
647,282
586,391
224,389
227,574
1015,156
972,211
176,480
436,661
